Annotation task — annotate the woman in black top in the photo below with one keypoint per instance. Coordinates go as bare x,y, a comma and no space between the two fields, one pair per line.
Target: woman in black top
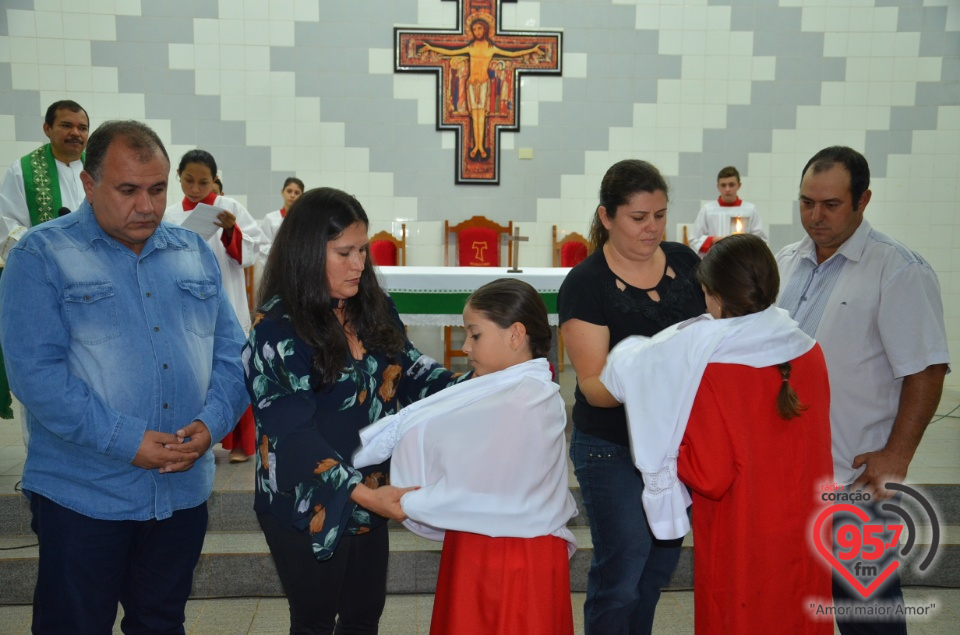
632,284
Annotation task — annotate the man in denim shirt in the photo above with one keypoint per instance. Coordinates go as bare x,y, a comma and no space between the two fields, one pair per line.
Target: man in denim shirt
125,353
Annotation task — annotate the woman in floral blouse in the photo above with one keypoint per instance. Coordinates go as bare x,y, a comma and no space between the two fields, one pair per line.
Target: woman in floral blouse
327,356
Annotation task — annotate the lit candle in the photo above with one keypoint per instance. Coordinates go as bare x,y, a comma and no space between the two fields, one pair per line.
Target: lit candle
736,225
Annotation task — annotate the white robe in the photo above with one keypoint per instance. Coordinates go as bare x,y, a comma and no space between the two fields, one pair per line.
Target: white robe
13,200
233,280
715,220
657,380
488,454
270,224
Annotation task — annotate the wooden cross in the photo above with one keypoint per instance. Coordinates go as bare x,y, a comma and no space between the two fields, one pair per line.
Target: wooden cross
515,241
478,68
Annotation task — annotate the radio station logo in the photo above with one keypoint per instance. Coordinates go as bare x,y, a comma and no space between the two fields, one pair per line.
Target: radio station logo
864,549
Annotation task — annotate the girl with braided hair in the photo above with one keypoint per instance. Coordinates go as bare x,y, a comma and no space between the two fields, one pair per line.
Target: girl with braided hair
746,427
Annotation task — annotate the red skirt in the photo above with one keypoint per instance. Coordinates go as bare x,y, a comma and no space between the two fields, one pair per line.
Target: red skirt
502,586
243,435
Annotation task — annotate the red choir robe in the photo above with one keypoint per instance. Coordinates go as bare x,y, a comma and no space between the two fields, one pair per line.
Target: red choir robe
756,479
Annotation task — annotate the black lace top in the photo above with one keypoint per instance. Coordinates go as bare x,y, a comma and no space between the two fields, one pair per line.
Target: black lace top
591,293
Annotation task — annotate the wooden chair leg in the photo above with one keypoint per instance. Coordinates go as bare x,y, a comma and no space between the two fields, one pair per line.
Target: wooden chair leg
447,337
559,350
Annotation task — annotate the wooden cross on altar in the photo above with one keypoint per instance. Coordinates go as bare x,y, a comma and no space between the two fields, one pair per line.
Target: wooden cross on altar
478,68
515,241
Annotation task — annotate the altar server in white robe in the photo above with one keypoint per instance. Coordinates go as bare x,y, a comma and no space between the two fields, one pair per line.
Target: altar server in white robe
236,245
237,242
489,458
270,224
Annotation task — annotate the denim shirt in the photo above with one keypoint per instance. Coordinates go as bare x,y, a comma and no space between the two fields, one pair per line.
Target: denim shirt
102,345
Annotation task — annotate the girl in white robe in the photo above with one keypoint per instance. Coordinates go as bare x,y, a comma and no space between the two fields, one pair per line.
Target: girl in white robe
270,224
236,245
489,458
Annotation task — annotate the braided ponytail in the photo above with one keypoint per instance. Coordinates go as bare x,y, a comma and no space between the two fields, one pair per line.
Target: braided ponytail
788,403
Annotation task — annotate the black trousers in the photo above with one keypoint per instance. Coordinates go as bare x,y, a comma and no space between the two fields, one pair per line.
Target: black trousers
343,595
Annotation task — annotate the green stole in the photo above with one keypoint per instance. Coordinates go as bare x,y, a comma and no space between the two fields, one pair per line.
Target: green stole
41,183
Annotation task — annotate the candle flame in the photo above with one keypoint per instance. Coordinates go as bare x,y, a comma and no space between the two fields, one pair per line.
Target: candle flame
738,227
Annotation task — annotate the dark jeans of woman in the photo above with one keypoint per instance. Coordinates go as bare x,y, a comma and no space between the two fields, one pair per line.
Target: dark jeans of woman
629,565
351,585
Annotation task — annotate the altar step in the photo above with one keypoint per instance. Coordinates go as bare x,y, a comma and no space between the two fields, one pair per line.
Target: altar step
236,563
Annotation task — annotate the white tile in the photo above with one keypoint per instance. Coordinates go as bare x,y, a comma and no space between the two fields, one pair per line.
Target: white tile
380,61
813,19
741,43
381,184
127,7
207,82
79,79
103,28
50,51
107,106
281,10
52,78
231,31
306,10
835,44
23,50
648,17
181,56
258,83
49,25
232,82
332,134
671,18
132,106
670,42
885,19
21,23
257,33
529,113
306,108
206,56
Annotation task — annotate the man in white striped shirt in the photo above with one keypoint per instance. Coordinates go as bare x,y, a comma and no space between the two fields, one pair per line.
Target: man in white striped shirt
875,308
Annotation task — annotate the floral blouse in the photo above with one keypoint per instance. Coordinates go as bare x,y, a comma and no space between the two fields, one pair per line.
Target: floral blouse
304,475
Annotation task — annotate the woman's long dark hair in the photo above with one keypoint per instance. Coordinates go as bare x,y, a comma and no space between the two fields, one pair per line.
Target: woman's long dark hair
742,272
296,271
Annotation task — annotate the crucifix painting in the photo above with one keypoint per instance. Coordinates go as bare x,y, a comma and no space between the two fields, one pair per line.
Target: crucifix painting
478,68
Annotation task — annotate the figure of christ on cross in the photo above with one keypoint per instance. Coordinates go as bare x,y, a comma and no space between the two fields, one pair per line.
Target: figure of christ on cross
480,52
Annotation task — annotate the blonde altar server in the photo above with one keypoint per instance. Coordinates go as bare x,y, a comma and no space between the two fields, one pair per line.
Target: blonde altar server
488,456
236,245
292,189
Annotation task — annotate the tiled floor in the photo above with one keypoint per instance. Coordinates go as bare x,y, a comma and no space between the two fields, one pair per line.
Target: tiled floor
937,461
410,615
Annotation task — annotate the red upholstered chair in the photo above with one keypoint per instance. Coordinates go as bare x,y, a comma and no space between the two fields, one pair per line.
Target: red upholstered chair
386,250
569,251
478,242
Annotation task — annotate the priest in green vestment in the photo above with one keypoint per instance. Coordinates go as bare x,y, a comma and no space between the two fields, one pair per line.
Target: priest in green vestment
39,185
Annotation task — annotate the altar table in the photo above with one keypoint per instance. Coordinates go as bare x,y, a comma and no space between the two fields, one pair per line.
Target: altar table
436,295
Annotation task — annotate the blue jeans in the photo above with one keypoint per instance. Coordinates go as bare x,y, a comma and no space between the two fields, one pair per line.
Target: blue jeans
88,566
889,591
629,565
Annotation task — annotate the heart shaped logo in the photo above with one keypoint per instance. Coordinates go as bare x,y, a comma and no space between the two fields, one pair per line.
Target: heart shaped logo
827,553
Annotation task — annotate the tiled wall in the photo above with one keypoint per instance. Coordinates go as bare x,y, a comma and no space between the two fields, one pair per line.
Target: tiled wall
307,87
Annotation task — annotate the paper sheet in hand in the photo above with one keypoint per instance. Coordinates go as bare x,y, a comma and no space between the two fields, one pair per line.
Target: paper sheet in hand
201,220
